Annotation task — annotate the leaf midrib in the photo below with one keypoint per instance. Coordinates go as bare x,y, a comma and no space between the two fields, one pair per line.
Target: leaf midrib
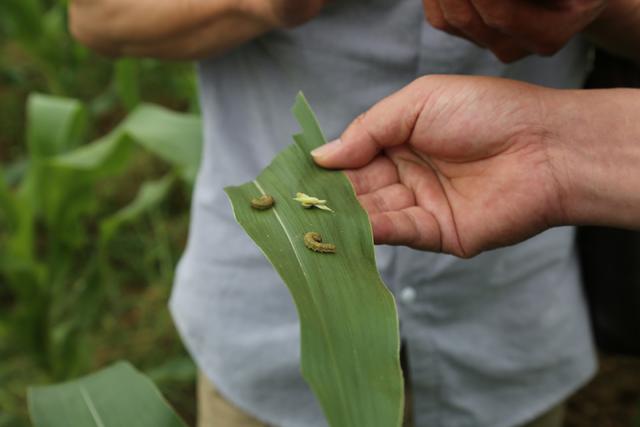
92,408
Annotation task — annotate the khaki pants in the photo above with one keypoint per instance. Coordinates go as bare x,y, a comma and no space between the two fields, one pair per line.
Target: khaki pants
215,411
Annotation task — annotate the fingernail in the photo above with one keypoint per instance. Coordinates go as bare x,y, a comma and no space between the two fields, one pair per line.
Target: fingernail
326,149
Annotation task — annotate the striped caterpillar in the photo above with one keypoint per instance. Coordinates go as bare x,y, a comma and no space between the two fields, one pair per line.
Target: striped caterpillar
313,241
263,202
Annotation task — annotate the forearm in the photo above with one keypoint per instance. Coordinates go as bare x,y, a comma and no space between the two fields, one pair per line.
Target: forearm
180,29
617,29
597,157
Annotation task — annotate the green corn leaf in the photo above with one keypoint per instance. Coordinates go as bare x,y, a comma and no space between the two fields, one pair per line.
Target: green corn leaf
114,397
348,318
16,243
9,217
55,125
174,137
101,157
61,185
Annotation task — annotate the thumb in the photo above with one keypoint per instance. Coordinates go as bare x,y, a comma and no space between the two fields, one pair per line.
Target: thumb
388,123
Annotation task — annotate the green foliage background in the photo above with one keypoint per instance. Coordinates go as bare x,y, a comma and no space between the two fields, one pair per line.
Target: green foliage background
93,210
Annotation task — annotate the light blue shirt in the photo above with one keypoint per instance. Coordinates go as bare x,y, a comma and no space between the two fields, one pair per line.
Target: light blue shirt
493,341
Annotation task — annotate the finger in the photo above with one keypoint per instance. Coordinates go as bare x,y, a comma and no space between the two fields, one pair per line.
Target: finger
388,123
433,193
380,173
392,198
461,15
434,15
497,14
414,227
423,180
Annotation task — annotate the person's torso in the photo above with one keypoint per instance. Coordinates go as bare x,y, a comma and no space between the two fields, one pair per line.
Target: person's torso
505,323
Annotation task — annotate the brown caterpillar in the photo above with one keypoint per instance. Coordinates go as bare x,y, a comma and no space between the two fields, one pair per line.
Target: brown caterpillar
263,202
313,241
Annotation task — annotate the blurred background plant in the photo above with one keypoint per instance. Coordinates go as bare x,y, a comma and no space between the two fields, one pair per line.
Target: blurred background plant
94,197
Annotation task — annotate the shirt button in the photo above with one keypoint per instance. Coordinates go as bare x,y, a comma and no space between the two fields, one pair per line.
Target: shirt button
408,295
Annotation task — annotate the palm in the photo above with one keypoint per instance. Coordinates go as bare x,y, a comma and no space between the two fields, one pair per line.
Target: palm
465,181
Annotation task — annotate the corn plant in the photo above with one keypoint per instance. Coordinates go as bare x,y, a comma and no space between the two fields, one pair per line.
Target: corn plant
37,53
54,232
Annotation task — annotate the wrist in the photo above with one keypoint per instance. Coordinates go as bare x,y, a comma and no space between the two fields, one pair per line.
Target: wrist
595,153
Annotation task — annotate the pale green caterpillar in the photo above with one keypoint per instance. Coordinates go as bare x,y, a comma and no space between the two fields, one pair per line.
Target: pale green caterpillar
309,202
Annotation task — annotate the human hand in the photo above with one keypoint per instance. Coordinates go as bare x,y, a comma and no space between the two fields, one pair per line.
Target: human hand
180,29
513,29
455,164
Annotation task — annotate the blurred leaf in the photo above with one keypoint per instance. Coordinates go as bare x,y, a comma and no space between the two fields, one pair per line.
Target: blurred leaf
150,195
8,210
101,157
54,125
114,397
181,369
16,215
174,137
127,82
348,320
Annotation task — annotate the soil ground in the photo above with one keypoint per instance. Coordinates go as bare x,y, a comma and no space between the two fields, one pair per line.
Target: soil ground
611,399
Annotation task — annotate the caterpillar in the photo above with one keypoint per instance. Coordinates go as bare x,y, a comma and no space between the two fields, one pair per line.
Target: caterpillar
309,202
313,241
263,202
